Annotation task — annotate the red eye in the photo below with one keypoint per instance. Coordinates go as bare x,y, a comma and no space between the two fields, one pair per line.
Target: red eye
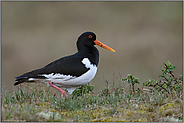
90,36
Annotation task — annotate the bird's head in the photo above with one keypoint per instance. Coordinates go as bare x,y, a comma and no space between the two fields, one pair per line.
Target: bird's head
89,39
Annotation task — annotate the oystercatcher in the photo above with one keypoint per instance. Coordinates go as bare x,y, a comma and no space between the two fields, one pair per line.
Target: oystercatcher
71,71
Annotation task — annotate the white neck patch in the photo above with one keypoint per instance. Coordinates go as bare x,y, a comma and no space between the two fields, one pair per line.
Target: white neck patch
87,63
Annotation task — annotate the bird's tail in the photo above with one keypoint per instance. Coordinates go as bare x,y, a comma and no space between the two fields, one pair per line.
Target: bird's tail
27,77
20,80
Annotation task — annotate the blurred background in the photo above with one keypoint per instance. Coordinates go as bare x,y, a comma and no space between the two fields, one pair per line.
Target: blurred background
144,35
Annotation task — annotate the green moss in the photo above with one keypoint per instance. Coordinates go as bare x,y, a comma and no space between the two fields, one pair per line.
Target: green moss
169,109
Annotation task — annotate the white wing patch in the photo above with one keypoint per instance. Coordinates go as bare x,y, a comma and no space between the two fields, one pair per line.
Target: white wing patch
31,79
58,76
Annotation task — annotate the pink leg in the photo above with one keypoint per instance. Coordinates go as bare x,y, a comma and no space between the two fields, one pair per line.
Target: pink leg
63,93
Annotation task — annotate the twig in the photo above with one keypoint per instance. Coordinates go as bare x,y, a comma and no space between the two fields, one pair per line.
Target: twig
133,86
171,74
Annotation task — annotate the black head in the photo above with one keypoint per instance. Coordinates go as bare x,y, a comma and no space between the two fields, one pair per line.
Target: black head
86,40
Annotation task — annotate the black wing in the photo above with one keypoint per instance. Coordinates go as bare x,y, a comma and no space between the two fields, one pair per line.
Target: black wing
70,65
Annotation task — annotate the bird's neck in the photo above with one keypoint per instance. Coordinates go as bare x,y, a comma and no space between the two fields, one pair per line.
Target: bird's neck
91,53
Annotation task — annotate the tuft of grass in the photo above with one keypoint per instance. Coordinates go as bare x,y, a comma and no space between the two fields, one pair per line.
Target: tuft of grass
156,101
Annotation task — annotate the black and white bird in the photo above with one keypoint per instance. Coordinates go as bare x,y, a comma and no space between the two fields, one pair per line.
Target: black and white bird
71,71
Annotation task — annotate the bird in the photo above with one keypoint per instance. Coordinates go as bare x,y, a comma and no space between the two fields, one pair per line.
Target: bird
71,71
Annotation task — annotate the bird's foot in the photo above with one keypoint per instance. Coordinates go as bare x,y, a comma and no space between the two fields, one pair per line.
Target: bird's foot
63,93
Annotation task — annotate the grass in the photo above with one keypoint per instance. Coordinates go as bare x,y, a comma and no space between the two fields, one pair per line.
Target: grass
155,101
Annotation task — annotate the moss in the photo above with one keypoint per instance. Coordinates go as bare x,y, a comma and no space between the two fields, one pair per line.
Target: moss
66,114
144,108
107,119
142,120
139,113
169,109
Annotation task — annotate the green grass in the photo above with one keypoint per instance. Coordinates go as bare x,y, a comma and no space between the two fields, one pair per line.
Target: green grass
153,102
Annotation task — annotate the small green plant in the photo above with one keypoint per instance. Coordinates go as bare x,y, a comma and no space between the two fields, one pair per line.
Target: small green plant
84,89
132,81
168,83
104,92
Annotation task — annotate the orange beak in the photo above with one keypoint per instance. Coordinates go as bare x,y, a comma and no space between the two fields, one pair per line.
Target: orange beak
103,46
